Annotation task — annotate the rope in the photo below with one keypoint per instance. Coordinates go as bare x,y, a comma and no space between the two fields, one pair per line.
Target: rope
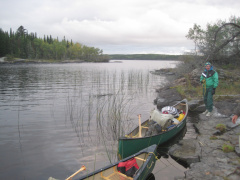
156,157
129,136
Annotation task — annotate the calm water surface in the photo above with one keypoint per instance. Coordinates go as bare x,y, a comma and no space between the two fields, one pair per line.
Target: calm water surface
54,118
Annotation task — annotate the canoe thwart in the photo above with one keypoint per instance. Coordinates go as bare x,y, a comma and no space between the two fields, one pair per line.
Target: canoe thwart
140,159
140,129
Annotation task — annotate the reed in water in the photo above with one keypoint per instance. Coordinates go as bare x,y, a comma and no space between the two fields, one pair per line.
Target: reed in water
103,114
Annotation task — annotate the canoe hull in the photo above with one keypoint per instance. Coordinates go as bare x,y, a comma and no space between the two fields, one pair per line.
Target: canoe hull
129,146
143,172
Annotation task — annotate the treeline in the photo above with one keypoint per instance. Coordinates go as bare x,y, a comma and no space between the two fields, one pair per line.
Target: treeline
21,44
218,42
143,57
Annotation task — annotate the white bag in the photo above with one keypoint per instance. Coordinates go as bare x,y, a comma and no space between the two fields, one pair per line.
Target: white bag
175,121
170,110
160,118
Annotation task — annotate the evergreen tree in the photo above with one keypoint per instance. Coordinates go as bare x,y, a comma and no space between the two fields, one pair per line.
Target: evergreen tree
11,33
50,39
68,44
26,45
21,32
3,42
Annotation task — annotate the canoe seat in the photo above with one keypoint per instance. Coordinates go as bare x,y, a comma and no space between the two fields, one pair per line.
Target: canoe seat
116,175
140,159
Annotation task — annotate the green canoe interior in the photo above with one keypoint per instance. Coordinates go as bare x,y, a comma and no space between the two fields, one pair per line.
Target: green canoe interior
144,128
112,173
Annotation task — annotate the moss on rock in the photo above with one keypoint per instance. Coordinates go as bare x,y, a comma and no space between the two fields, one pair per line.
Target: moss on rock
227,148
221,127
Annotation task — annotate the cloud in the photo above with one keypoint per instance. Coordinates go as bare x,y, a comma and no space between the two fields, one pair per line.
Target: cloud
140,24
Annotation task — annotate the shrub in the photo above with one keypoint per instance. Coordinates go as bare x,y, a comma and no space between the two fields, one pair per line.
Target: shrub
188,63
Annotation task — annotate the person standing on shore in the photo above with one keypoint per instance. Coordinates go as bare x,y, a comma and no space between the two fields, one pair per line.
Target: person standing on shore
209,80
236,114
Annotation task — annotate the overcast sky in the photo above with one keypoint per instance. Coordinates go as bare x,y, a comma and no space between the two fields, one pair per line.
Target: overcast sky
117,26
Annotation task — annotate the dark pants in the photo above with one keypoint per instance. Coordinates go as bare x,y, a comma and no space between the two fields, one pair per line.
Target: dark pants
208,98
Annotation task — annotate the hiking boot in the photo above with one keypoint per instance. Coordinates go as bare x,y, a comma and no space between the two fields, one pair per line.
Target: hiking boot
209,114
205,112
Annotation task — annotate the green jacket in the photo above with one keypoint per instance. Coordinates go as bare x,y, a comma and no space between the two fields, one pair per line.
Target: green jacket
211,78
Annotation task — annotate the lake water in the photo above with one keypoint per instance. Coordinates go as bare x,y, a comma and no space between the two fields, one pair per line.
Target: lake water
54,118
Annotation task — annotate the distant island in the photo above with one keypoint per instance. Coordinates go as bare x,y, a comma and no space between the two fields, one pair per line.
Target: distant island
143,57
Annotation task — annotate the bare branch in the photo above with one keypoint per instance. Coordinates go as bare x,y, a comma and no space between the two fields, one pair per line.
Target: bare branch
226,42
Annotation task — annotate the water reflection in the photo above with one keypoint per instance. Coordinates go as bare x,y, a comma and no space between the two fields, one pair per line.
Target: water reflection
56,117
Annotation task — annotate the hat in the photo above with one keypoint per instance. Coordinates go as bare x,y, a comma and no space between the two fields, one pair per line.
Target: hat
208,63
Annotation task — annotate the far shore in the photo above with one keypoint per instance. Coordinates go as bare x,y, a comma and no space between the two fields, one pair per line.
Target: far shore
41,61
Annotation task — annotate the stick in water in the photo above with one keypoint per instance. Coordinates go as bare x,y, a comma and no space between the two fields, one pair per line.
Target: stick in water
140,128
81,169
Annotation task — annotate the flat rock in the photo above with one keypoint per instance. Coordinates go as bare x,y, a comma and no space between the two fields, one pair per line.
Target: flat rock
214,163
187,150
193,104
237,150
170,73
200,108
230,125
225,107
167,96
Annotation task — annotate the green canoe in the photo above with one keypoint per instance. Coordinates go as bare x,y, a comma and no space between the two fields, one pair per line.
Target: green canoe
131,143
145,159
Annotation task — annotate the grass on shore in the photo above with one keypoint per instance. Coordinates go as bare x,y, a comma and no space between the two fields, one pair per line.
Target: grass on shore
225,89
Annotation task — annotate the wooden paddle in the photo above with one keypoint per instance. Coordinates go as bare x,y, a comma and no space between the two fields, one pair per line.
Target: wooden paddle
81,169
140,128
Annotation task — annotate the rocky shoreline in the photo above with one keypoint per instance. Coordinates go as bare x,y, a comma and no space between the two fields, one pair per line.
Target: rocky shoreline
205,153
